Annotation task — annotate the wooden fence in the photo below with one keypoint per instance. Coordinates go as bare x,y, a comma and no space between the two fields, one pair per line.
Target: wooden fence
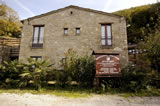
9,47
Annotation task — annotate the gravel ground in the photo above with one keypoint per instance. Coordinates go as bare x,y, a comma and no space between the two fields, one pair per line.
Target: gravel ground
8,99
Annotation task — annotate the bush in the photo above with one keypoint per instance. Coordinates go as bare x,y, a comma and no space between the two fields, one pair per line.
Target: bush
9,73
79,69
38,73
35,72
63,78
135,80
112,83
85,71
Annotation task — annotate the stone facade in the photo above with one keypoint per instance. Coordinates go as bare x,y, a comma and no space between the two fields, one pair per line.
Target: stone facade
55,43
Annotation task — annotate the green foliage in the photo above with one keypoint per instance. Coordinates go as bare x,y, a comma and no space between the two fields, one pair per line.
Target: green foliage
134,79
35,71
9,28
68,93
144,29
9,73
112,83
8,13
15,74
141,21
85,71
79,69
63,78
9,22
3,10
151,48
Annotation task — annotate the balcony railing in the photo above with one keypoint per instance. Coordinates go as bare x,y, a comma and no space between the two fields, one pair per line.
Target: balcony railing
37,45
37,42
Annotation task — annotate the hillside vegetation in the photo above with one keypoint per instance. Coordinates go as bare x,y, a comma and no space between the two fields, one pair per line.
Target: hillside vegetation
141,21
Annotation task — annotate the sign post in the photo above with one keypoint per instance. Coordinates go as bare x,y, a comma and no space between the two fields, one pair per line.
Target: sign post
107,65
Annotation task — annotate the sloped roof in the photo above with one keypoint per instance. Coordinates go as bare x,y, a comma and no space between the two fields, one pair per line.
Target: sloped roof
76,7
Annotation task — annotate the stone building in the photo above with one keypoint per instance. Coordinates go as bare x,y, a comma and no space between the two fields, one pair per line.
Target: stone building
49,36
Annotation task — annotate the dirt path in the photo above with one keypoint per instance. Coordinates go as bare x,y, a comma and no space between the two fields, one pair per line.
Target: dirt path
7,99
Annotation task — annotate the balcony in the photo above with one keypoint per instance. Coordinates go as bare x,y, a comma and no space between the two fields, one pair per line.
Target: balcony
37,42
37,45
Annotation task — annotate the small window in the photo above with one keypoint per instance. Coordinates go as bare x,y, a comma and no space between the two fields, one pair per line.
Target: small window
63,60
36,58
65,31
77,31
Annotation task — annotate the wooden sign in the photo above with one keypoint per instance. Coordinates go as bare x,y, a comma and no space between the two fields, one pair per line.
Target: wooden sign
107,65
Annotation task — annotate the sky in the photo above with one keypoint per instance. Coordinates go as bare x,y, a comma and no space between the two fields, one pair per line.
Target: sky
30,8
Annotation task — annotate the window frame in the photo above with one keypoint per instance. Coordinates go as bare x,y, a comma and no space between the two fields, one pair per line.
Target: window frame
107,38
63,60
38,44
36,57
78,28
65,29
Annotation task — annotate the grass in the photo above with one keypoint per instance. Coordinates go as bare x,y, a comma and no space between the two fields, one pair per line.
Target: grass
126,94
74,93
82,93
142,93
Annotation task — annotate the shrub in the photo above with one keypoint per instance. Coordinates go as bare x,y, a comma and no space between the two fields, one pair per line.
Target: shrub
63,78
9,73
35,72
85,71
111,83
134,79
80,69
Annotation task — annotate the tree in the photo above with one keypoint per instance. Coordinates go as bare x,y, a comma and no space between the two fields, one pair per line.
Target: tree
141,20
9,22
9,28
151,44
151,48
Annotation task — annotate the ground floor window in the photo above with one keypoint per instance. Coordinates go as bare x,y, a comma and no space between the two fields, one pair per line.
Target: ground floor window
63,60
37,58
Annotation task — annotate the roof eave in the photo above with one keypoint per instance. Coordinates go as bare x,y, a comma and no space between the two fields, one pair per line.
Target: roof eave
72,6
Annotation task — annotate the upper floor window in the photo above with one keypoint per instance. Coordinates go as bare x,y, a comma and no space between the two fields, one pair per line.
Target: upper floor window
77,31
106,35
65,31
38,36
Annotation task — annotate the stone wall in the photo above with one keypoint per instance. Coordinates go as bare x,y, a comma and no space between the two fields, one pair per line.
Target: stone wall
56,43
4,53
1,58
7,44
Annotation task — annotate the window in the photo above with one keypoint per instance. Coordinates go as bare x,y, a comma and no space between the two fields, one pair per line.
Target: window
63,60
38,36
65,31
37,58
106,34
77,31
